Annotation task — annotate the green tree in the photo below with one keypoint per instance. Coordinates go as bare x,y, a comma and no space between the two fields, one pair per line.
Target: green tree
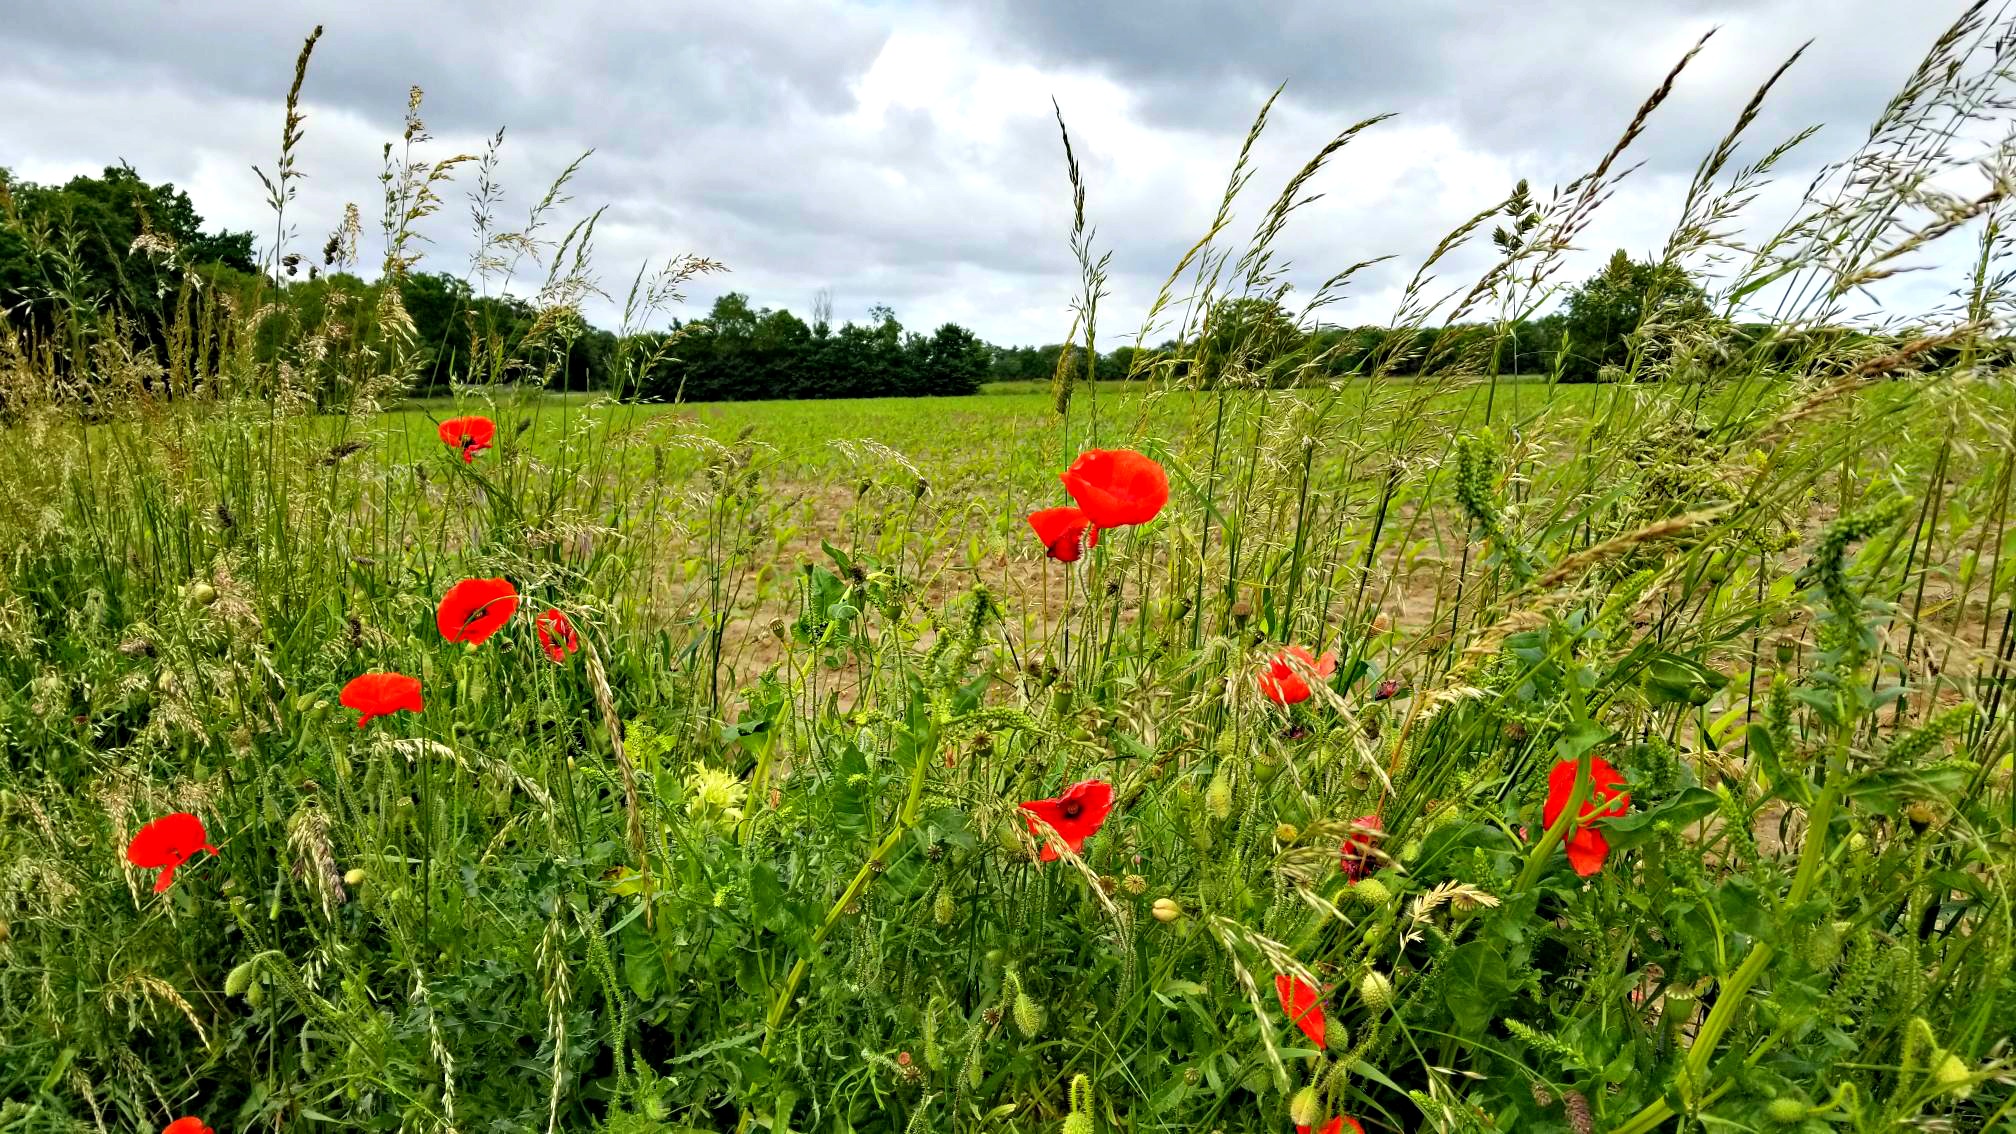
1624,314
95,252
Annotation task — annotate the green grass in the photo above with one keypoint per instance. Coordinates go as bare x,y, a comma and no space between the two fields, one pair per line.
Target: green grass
755,856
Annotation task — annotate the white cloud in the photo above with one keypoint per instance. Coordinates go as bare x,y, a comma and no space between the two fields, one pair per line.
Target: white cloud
909,156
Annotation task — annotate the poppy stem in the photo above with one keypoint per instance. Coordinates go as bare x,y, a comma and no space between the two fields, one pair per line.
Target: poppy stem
1729,998
1557,830
906,818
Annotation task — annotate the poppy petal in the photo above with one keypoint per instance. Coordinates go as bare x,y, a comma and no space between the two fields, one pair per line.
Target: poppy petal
1587,848
1116,487
167,843
1281,679
380,695
1075,815
1303,1005
468,435
1064,532
556,635
474,609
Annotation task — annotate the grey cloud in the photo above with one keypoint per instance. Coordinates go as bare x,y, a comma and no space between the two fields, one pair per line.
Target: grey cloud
734,130
1528,76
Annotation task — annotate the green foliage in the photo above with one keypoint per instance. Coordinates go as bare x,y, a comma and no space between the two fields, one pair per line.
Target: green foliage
1617,316
739,353
755,857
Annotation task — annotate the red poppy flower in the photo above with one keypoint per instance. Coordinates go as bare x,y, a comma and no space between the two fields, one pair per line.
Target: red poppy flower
1074,815
474,609
167,843
381,695
187,1126
556,635
1355,856
468,435
1336,1126
1280,682
1303,1004
1586,845
1116,487
1065,533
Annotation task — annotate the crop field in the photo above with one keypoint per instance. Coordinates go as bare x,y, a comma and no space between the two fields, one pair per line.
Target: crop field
1238,747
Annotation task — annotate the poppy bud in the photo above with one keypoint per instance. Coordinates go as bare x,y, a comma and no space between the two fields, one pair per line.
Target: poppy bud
255,995
1381,623
1061,695
1786,1110
239,979
1166,909
1218,797
5,933
1305,1107
1134,884
354,877
200,594
1371,891
1376,991
943,908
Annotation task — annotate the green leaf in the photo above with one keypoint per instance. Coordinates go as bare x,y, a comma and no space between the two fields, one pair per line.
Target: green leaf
1689,806
1670,678
1579,738
1474,985
1886,791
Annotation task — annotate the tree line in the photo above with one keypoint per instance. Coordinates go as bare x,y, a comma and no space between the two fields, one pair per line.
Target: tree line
117,256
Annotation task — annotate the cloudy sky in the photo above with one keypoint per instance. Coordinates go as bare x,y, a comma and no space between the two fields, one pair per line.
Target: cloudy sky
905,153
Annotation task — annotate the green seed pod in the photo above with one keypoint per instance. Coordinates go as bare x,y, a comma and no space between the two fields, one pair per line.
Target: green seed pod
943,908
1376,991
1134,884
934,1052
354,877
1007,836
1218,797
201,594
1028,1015
1079,1121
1305,1107
240,978
1786,1110
1286,832
1371,891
